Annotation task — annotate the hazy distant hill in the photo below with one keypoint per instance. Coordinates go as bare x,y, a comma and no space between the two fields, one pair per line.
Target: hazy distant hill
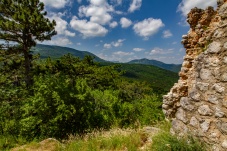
170,67
46,51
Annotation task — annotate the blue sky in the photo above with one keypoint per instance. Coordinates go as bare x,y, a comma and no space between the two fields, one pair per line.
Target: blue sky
123,30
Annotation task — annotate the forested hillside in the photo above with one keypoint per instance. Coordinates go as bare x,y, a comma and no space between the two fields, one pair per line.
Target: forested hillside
170,67
63,95
55,52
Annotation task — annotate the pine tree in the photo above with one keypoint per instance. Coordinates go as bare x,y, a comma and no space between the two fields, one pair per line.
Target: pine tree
23,22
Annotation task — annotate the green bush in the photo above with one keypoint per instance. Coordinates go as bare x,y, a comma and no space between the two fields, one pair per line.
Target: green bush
72,96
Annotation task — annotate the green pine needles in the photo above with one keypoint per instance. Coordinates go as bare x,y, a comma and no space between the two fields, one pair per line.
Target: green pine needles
23,22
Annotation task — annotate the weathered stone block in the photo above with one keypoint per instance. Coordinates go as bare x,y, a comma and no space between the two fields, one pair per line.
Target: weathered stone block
224,144
223,11
205,110
205,125
202,86
213,99
181,115
214,47
205,74
218,88
224,77
222,126
215,136
194,122
185,104
179,127
195,96
225,59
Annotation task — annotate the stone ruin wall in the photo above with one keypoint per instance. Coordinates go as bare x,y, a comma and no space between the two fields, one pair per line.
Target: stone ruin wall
197,104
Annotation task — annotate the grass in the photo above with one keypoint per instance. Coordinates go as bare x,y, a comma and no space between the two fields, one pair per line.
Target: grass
112,140
166,141
145,139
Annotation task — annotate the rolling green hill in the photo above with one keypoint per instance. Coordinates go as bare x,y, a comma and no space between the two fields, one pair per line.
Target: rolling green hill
46,51
150,71
171,67
159,79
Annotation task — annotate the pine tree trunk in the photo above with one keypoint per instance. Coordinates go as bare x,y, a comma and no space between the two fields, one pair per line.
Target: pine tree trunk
27,65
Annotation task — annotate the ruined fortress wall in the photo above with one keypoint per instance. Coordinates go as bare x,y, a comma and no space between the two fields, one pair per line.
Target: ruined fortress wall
197,104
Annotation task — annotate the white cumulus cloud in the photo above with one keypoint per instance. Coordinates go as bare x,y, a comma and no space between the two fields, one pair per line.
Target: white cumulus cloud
167,34
98,11
98,2
135,5
113,24
148,27
61,26
186,5
87,28
125,23
56,3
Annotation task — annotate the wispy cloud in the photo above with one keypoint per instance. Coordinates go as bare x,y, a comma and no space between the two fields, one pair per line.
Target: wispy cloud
58,40
107,46
135,5
117,43
122,53
138,49
167,34
160,51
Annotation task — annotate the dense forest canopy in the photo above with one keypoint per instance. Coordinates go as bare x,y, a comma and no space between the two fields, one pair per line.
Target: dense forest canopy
42,98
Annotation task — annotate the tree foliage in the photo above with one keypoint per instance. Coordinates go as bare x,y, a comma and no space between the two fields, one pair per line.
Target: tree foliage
23,22
73,96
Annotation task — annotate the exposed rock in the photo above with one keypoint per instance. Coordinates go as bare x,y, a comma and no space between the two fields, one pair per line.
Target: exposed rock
205,74
180,115
218,88
224,144
198,102
223,11
214,47
205,110
222,126
185,104
202,86
205,125
194,122
179,126
219,113
213,99
49,144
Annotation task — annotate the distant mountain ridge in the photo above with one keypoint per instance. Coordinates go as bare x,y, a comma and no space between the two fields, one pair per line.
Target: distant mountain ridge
170,67
53,51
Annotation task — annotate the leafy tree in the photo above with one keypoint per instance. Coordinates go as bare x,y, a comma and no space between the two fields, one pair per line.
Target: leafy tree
23,22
